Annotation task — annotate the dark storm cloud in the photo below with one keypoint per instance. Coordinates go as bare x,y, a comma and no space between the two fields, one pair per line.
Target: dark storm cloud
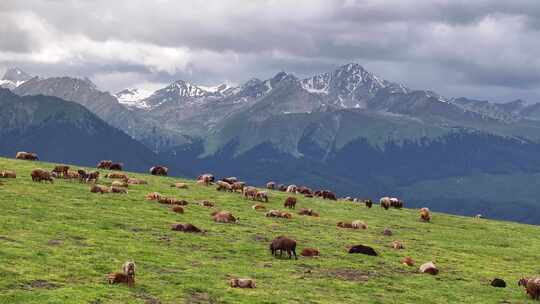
485,48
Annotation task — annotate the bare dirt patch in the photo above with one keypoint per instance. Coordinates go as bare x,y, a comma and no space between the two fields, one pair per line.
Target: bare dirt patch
351,275
40,284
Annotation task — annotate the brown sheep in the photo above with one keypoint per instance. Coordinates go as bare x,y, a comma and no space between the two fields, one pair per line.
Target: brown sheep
262,196
104,164
408,261
116,175
136,181
258,207
116,166
154,196
425,215
127,275
82,175
290,202
309,212
72,175
206,203
283,243
396,203
242,283
310,252
118,190
61,170
180,185
329,195
172,201
224,217
178,209
185,228
223,186
271,185
26,156
359,225
277,213
387,232
532,286
304,190
92,176
39,175
121,184
8,174
206,179
344,225
397,245
99,189
430,268
249,192
230,180
238,186
159,170
385,202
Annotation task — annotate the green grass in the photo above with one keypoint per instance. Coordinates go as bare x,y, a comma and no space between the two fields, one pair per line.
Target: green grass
71,238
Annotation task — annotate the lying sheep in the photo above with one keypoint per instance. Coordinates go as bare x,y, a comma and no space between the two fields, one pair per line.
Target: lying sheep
118,190
397,245
136,181
310,252
430,268
116,175
223,217
308,212
185,228
153,196
277,213
180,185
178,209
120,184
206,203
8,174
258,207
242,283
407,261
99,189
363,250
26,156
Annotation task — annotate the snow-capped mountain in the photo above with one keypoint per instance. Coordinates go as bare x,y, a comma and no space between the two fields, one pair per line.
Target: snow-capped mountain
13,78
133,97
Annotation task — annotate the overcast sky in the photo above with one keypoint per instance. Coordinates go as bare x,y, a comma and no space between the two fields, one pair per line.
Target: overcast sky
474,48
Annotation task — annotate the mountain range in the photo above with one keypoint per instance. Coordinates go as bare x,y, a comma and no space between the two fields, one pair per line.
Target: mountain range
347,130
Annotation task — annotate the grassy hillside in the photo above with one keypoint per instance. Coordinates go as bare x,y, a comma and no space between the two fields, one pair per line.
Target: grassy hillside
58,242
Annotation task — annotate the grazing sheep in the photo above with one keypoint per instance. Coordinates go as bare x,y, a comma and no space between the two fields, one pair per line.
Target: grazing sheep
396,203
238,186
258,207
310,252
250,192
262,196
223,217
387,232
8,174
224,186
271,185
99,189
127,275
326,194
92,176
407,261
304,190
39,175
292,188
116,175
308,212
397,245
153,196
500,283
283,243
532,286
104,164
430,268
180,185
359,225
116,166
159,170
344,225
172,201
206,179
363,250
230,180
290,202
368,203
61,170
282,188
136,181
118,190
26,156
385,202
206,204
178,209
185,228
83,175
242,283
425,215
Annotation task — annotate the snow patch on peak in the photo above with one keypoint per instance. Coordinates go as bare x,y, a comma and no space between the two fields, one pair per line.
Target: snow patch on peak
133,97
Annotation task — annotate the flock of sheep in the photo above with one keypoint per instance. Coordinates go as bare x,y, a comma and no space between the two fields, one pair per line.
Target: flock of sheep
277,246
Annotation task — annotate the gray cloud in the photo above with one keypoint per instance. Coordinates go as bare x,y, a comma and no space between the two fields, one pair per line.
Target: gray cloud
482,49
